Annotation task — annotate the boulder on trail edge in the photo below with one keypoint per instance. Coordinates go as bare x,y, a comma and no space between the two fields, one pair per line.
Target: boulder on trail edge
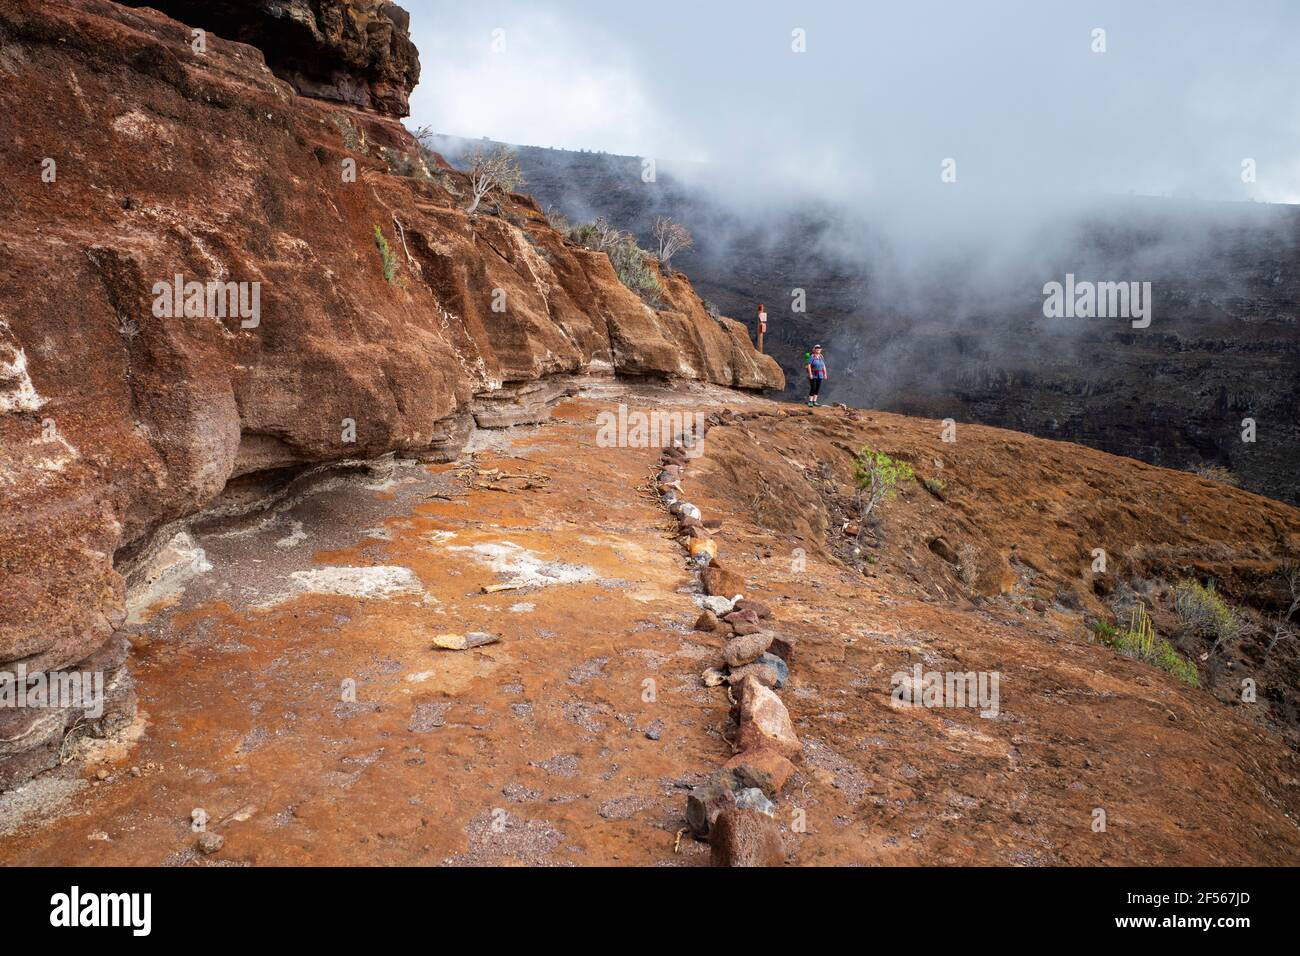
764,721
721,606
763,768
210,842
707,621
720,582
771,660
761,670
702,546
752,798
712,797
750,647
761,610
745,838
744,622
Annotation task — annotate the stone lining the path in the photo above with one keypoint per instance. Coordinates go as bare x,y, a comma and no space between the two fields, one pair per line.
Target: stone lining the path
734,809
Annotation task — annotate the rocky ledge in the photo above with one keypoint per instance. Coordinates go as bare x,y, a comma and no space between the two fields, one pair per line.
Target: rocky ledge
351,51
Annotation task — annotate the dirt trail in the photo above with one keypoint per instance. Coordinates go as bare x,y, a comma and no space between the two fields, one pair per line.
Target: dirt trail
530,750
575,739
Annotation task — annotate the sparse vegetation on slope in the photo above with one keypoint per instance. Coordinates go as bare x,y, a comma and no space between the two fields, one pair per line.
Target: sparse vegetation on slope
630,261
1140,642
1205,613
874,475
386,257
1215,472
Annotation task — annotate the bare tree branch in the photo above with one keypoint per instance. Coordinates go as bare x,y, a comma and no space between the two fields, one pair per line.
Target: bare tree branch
489,170
672,238
1281,625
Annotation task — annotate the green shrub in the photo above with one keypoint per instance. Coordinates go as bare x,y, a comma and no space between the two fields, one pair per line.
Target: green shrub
934,485
1139,641
1206,613
633,267
599,235
875,474
386,256
630,262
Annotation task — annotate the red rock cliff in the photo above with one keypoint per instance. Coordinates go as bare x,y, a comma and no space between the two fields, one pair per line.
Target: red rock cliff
351,51
131,159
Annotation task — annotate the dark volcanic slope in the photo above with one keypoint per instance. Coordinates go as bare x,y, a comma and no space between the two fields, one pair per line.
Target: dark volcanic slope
1223,344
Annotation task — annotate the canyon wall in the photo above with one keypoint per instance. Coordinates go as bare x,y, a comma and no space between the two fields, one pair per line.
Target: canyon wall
349,307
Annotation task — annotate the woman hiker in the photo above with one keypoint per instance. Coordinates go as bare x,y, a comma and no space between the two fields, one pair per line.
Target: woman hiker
816,374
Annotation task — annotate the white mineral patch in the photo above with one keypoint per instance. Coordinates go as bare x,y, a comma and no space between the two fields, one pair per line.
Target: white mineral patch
523,607
379,582
525,567
17,393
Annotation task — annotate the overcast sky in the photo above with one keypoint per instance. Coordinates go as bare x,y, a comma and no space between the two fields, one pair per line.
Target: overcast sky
885,92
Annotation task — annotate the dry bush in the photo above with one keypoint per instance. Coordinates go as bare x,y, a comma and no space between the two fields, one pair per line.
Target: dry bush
495,169
671,237
1215,472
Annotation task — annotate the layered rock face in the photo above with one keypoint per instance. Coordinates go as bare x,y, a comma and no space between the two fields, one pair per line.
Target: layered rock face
207,280
350,51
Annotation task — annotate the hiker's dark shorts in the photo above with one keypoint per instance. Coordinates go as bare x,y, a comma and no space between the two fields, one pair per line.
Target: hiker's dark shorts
814,386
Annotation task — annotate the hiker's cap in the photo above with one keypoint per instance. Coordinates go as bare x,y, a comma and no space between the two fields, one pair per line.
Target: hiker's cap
817,348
